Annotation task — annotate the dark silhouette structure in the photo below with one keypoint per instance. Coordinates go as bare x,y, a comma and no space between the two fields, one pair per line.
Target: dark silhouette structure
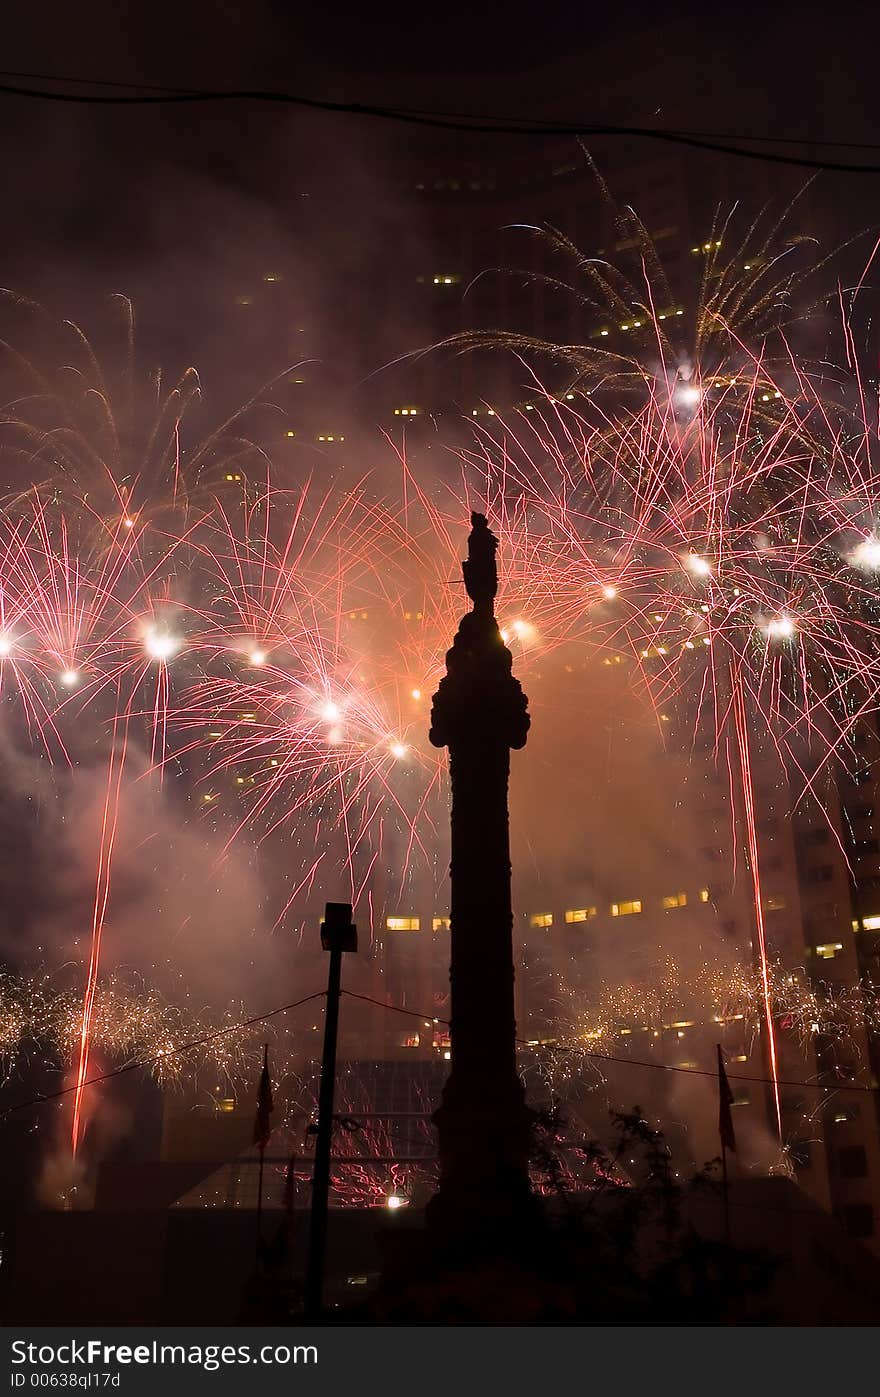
338,935
480,712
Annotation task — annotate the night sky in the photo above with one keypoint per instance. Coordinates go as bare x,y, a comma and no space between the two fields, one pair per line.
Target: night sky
118,195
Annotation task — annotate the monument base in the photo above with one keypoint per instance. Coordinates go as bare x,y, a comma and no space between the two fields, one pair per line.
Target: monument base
484,1141
498,1278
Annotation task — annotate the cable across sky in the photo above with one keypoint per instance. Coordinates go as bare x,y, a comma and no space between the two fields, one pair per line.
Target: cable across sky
141,95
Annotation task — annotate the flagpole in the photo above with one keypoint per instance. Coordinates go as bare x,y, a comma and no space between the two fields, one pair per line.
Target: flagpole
725,1129
724,1185
262,1125
338,935
260,1207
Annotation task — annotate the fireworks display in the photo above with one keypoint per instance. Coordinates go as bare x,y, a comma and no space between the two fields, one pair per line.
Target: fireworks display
707,519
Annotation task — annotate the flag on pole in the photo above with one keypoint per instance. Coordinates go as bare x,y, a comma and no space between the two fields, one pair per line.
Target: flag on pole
265,1104
725,1101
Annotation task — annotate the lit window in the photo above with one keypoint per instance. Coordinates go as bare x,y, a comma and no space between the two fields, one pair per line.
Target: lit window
441,924
226,1104
541,919
625,909
411,1040
871,923
704,894
673,900
774,903
402,923
829,950
580,914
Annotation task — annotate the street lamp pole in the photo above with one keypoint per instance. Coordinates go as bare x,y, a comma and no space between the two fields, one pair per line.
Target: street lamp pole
338,934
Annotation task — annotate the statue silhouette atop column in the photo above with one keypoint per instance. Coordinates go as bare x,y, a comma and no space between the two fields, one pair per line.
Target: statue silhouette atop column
480,713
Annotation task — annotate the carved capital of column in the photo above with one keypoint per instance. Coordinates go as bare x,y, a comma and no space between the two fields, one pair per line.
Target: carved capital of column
479,699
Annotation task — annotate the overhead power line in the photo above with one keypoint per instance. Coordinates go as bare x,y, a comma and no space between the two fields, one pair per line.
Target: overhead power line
161,1057
425,1018
626,1061
142,95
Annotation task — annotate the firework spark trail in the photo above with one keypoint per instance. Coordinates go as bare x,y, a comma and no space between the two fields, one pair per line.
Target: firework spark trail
131,1021
742,734
109,825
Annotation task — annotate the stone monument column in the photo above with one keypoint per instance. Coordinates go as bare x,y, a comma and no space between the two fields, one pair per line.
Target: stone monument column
480,712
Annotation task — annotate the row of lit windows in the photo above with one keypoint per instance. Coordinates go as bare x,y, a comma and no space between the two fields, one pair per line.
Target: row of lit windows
617,909
575,915
455,184
415,923
638,324
407,615
829,950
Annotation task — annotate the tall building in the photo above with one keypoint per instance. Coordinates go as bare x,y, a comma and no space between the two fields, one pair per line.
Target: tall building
816,895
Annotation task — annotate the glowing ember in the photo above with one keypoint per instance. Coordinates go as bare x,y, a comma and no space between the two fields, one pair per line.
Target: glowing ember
780,628
697,565
160,645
